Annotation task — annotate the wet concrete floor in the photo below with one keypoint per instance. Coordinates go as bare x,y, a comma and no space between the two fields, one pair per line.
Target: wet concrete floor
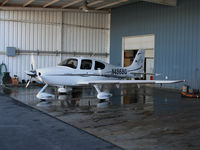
22,128
146,118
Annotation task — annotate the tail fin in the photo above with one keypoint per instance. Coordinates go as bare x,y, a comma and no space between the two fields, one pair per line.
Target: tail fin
138,64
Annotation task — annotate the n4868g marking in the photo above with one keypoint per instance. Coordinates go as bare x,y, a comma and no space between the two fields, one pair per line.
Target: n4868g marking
119,71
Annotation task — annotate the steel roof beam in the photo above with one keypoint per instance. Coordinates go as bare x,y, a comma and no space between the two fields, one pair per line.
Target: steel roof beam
50,3
16,8
163,2
95,2
28,2
71,3
4,2
111,4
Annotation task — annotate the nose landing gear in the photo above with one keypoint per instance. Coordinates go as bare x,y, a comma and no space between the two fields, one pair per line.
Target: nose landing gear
45,96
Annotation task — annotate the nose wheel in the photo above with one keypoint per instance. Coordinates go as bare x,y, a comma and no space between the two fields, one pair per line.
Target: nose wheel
45,96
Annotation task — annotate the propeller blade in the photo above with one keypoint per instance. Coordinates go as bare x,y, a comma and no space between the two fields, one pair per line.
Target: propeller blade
31,66
31,73
28,83
32,62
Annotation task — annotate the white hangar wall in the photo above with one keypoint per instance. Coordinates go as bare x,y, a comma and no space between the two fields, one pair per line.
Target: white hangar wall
86,34
30,32
51,36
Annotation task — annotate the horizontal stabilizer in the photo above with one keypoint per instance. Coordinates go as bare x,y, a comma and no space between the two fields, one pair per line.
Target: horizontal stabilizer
145,73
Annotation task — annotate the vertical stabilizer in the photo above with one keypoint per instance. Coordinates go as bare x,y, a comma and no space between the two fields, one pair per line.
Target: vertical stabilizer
138,64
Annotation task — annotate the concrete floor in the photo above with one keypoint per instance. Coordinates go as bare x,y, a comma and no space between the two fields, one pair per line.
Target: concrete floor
147,118
22,128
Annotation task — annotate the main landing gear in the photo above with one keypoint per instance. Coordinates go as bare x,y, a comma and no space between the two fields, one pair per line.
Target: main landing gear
103,97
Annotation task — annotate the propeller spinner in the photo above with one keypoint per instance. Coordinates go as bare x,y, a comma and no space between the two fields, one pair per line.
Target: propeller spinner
32,73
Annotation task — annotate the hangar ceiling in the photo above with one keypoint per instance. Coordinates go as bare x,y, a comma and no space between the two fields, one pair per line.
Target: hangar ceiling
76,4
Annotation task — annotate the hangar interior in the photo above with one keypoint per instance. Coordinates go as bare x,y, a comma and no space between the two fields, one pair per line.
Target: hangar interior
54,30
143,117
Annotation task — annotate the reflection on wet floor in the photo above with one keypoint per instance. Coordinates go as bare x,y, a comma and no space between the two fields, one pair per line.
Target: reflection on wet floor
144,118
81,98
156,100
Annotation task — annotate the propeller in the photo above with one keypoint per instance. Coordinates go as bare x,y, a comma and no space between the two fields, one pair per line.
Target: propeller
32,73
32,62
28,83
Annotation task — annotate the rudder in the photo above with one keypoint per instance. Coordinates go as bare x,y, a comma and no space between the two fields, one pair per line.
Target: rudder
138,64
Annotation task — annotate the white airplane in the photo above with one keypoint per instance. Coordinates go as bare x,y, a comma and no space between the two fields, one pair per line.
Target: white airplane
81,71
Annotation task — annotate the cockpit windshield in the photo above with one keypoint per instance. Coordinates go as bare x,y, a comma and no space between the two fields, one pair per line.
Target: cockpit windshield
72,63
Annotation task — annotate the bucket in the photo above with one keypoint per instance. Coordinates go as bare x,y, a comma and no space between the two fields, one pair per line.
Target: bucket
185,88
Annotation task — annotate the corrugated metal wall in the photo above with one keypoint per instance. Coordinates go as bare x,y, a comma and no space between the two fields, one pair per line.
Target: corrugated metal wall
50,35
176,30
86,33
30,31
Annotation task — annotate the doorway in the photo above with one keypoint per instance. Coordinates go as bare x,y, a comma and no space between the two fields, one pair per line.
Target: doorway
130,46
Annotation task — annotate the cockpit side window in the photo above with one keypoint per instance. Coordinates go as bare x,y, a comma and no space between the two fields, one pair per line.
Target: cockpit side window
72,63
99,66
86,64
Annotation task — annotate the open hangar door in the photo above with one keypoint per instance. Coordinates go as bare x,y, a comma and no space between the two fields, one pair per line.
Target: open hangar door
130,46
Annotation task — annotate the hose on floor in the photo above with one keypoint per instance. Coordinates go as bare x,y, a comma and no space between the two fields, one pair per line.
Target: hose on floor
2,73
1,67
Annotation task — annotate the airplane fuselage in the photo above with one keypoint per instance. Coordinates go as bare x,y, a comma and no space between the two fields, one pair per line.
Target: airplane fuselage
64,74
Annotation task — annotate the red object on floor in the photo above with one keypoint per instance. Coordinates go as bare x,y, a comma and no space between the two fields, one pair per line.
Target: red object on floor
151,77
15,80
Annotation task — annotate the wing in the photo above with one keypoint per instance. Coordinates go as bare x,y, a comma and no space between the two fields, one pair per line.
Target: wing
130,82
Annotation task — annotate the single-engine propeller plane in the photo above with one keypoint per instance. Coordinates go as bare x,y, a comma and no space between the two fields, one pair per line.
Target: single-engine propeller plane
81,71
